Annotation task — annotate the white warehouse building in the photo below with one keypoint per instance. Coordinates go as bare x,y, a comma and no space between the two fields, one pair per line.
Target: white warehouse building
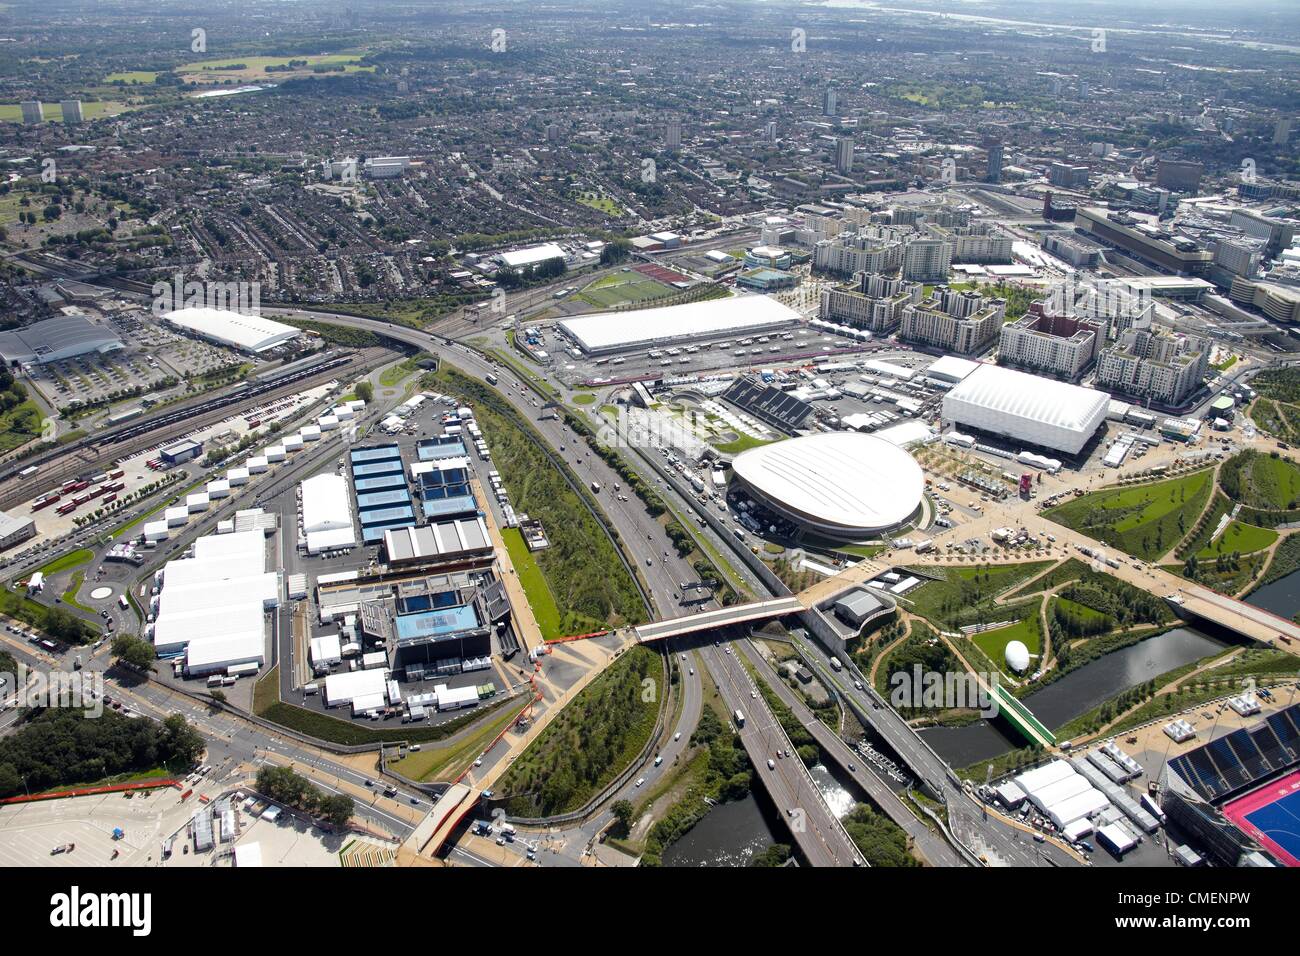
620,331
1027,408
327,514
212,606
248,333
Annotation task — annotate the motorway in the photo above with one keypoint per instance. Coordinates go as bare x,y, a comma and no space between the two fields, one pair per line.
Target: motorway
819,834
932,847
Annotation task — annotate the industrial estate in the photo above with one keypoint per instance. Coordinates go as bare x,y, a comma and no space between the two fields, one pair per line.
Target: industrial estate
773,435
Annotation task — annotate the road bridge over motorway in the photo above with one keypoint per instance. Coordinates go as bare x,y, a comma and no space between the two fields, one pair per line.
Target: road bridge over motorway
456,802
722,617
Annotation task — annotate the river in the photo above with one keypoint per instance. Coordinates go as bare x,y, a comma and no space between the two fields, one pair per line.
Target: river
1282,597
731,834
1076,693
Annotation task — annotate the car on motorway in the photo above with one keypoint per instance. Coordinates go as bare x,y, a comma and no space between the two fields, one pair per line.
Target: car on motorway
771,764
677,736
640,780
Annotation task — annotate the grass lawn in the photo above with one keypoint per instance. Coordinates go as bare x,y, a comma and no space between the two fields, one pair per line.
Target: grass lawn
1239,537
965,595
70,560
994,643
132,77
741,443
860,550
70,595
394,375
254,67
1144,520
15,425
540,598
90,109
1264,482
598,202
446,762
584,398
622,288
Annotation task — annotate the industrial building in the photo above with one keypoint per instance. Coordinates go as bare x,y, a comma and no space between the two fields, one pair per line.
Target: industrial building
1026,408
533,255
248,333
327,514
457,540
15,530
607,332
1147,241
181,452
54,339
383,498
847,485
211,607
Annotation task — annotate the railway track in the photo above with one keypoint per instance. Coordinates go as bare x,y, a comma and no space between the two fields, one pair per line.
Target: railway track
97,451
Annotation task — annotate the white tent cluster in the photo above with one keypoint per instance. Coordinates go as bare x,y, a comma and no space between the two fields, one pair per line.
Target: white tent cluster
247,470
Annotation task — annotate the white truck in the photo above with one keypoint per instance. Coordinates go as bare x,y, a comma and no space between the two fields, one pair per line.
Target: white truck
740,719
836,665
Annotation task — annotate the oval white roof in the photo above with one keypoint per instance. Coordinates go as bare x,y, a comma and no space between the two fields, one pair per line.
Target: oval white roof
846,480
1017,656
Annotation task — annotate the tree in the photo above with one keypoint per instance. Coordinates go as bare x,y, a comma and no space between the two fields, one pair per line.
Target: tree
133,651
183,741
623,810
337,809
365,392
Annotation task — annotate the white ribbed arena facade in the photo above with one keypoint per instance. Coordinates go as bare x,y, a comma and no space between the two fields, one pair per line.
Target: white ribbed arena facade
846,485
1027,409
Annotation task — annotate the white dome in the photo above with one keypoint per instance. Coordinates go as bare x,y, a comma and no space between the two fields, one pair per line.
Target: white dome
1017,656
841,483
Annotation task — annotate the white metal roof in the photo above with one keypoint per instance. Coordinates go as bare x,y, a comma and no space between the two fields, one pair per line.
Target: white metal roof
325,504
249,545
951,368
229,649
1031,781
1031,397
532,255
249,332
349,685
613,330
326,649
248,854
843,480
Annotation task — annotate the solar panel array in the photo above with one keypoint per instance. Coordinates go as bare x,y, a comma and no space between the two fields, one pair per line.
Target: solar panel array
1243,757
768,404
